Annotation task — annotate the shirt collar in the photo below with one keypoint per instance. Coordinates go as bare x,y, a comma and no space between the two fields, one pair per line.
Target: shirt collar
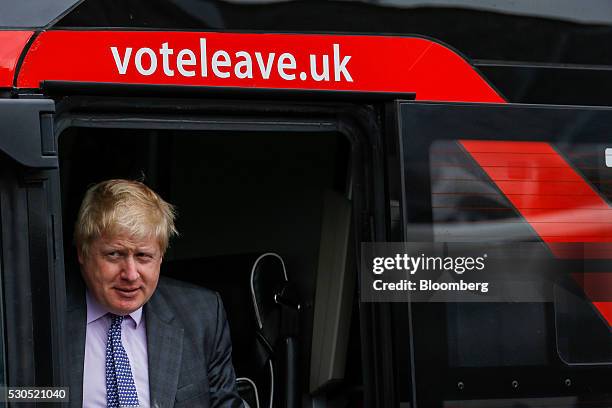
95,310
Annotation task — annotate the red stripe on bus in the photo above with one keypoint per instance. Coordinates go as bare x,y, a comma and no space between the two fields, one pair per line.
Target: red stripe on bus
605,308
510,164
11,46
264,61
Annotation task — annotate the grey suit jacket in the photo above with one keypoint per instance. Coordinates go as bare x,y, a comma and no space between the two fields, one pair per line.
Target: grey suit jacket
189,347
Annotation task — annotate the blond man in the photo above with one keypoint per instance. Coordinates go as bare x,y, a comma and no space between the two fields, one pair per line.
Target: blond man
137,339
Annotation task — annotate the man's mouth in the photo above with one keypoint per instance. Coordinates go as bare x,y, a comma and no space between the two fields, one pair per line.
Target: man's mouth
128,292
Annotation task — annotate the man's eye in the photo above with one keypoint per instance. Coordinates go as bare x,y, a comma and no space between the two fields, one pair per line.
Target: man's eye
113,254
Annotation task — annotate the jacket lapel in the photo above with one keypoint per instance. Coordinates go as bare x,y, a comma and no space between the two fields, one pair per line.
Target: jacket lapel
77,316
165,348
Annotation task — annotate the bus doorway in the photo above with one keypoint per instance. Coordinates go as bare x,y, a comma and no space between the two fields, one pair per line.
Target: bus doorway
246,187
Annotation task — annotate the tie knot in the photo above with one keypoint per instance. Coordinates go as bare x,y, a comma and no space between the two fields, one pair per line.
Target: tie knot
116,319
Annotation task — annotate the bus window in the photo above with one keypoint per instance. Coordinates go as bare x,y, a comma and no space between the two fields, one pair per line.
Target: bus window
467,206
508,177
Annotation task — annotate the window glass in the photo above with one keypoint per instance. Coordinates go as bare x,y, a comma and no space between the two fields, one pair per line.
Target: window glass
525,191
512,177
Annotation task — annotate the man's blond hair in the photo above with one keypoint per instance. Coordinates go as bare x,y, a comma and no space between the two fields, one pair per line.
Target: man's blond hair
123,207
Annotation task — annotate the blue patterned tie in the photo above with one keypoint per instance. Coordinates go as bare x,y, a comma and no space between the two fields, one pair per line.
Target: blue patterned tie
120,387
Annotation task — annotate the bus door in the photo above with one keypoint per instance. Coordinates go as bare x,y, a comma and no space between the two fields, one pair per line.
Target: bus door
31,272
533,185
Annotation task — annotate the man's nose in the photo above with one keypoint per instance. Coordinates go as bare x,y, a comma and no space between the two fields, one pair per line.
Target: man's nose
129,270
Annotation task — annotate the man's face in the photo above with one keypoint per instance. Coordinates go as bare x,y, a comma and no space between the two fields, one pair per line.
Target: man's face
121,272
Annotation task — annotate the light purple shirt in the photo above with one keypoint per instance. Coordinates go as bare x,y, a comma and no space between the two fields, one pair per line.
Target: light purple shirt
134,338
